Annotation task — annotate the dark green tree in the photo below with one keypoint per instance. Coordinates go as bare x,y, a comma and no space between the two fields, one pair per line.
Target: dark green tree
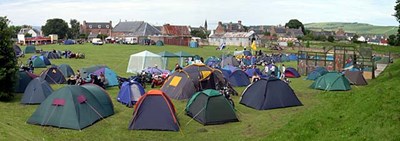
331,39
55,26
294,23
354,39
15,30
397,15
198,33
8,61
392,40
83,36
73,32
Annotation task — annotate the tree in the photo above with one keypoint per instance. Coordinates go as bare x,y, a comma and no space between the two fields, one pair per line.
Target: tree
8,61
392,40
198,33
331,38
397,15
28,35
15,30
294,23
354,39
266,33
73,32
83,36
55,26
102,36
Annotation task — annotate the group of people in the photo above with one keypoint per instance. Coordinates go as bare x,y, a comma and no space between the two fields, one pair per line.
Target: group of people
94,79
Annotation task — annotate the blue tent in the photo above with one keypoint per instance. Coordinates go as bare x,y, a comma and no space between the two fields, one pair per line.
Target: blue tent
239,78
45,60
225,72
250,72
293,57
230,68
69,42
247,53
130,93
109,74
212,61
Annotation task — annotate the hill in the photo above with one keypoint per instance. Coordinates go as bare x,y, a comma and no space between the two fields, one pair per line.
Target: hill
360,28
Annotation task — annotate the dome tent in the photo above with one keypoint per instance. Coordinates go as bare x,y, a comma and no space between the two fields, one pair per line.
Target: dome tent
36,91
332,81
130,93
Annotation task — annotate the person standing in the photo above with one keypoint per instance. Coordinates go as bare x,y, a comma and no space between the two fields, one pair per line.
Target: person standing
283,72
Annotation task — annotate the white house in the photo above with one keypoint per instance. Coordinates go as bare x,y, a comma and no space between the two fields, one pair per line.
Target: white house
29,30
233,38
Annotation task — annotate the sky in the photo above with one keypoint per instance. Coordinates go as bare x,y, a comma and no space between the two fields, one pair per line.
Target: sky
195,12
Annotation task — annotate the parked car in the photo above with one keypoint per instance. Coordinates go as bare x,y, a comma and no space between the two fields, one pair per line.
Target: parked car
97,41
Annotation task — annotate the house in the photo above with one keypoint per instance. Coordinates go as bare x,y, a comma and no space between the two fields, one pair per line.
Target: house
139,30
229,27
279,31
34,32
234,38
285,32
260,29
92,29
176,35
294,33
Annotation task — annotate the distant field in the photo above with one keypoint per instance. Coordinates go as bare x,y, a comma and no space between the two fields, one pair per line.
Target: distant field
359,28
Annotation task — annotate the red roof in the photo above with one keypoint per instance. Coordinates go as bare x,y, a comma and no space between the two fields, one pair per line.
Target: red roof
39,38
176,30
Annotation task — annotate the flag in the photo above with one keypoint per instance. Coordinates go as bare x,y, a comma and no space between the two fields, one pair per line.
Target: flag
253,45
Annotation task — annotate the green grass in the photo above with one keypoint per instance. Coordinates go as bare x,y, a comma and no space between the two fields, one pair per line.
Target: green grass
359,28
316,120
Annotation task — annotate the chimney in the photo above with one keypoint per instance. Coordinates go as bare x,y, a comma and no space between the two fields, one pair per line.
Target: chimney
240,22
220,23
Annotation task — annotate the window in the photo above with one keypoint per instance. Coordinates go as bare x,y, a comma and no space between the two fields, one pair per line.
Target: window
107,26
90,26
99,26
90,33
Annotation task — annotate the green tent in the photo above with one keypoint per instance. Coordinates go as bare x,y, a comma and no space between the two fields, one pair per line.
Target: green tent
165,55
74,107
159,43
38,63
210,107
183,54
332,81
30,49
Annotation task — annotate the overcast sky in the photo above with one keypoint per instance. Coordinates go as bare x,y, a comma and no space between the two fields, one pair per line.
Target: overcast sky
194,12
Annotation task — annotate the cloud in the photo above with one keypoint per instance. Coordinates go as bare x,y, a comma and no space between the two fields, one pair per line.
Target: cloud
194,12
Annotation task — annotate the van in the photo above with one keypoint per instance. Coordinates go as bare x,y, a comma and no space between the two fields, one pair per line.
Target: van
130,40
97,41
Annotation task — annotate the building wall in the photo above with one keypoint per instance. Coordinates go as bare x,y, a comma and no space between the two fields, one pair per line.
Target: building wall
86,29
179,41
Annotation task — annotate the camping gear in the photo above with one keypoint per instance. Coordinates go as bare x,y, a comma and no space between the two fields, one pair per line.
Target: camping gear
38,63
130,93
30,49
36,91
45,60
355,77
154,111
109,74
159,43
73,107
53,75
291,73
293,57
269,93
319,71
210,107
179,86
230,60
212,61
69,42
66,70
165,56
239,78
142,60
24,77
230,68
17,50
181,55
52,55
154,70
332,81
194,44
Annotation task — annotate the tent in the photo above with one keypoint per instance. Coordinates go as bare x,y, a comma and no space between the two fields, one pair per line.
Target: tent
230,68
66,70
210,107
53,75
73,107
332,81
269,93
142,60
154,111
45,60
109,74
69,42
291,73
293,57
24,77
212,61
38,63
247,53
85,72
355,77
52,55
165,55
159,43
319,71
30,49
230,60
202,76
239,78
179,86
17,50
194,44
36,91
154,70
130,93
250,72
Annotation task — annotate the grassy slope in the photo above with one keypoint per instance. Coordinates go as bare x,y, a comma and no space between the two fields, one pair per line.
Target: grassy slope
365,113
360,28
254,124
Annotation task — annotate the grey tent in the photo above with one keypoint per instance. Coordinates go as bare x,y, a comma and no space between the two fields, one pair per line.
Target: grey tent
36,91
53,75
179,86
230,60
66,70
355,77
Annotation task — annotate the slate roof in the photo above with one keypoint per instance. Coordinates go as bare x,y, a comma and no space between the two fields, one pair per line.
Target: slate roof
98,25
137,28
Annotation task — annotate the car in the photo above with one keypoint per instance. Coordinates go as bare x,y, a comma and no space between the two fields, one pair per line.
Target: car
97,41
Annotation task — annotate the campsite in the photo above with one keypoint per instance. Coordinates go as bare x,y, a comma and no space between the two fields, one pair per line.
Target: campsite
253,124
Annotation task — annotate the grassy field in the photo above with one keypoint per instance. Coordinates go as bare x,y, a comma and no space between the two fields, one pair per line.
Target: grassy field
357,114
359,28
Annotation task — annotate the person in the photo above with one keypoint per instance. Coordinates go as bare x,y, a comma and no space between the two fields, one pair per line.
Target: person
244,48
177,67
266,69
103,81
283,72
273,73
30,64
202,59
255,77
71,80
